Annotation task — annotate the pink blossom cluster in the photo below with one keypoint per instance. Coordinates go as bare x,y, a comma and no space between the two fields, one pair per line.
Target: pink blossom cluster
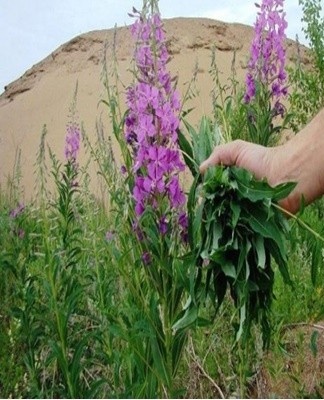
14,213
151,124
72,141
267,56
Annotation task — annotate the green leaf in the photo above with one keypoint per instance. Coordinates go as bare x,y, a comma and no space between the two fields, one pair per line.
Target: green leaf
283,190
205,140
189,318
217,234
280,259
229,269
236,210
316,259
194,215
187,152
259,190
259,246
179,341
220,287
239,230
159,361
240,330
313,343
259,222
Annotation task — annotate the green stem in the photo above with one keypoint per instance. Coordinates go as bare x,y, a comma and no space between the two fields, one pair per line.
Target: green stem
62,338
300,222
168,330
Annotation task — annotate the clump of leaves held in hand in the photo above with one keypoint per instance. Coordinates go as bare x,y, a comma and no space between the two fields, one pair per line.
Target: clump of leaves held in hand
235,232
241,232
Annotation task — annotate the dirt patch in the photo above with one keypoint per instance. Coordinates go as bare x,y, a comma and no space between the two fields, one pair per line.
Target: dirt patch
296,368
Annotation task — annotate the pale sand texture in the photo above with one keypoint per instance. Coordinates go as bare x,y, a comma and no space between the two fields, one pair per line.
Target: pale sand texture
43,95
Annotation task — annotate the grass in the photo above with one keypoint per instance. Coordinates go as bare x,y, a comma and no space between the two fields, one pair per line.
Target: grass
72,324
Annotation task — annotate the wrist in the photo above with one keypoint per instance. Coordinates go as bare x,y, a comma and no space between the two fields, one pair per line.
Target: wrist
302,161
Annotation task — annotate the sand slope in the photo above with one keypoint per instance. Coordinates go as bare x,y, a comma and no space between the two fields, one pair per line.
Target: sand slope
44,93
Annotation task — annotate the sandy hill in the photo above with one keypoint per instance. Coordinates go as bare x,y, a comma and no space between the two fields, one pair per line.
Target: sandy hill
44,93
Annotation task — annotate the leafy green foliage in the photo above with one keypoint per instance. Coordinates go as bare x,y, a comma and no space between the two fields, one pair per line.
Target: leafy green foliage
234,235
262,119
307,83
314,32
240,232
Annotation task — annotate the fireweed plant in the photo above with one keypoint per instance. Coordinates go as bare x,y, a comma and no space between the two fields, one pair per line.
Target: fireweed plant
235,228
151,130
266,78
306,96
61,279
158,220
231,248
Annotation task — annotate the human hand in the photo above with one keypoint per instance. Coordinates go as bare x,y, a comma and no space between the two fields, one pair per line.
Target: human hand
255,158
296,161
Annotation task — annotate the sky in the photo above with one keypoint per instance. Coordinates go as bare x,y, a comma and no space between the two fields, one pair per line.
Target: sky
32,29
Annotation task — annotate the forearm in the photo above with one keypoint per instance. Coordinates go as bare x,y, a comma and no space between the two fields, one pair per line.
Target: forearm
302,160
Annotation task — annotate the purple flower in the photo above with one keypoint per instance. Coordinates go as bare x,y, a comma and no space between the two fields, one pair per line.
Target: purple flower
151,125
163,225
17,211
176,196
138,231
267,56
21,233
110,235
250,88
183,220
146,258
278,109
72,141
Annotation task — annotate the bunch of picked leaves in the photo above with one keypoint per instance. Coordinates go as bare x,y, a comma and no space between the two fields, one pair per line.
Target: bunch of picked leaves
236,231
240,233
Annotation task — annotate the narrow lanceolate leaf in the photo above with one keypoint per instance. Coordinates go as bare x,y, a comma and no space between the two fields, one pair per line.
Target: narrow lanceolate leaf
189,318
313,343
159,360
316,259
283,190
187,152
259,190
260,249
267,229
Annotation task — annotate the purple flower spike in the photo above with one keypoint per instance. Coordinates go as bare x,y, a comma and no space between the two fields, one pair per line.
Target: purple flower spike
146,258
17,211
183,220
151,125
267,55
72,141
